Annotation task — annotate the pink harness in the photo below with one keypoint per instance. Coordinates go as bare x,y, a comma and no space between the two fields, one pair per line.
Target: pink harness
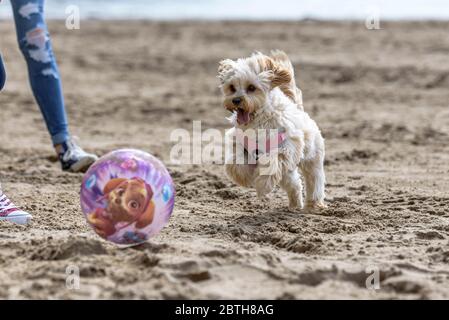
256,148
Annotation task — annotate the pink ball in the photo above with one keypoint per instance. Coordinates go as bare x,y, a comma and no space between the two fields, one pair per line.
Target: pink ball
127,196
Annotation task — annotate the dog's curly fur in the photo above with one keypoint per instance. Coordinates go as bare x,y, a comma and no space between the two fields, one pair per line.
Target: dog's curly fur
262,94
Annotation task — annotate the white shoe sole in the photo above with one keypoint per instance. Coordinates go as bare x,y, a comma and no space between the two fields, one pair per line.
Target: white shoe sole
83,164
19,217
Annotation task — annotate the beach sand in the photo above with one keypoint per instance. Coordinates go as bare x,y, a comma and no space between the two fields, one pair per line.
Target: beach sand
379,96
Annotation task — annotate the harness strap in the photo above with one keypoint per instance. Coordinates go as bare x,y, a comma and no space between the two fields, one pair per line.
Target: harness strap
256,148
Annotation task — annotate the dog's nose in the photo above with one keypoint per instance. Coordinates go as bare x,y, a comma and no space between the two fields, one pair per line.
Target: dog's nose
236,101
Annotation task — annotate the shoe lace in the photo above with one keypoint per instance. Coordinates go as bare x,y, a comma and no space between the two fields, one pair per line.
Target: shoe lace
5,203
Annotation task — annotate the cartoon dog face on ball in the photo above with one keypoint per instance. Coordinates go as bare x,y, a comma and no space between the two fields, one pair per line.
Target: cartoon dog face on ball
128,201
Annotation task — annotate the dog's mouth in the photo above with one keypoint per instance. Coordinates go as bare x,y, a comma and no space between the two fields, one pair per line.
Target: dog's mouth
243,117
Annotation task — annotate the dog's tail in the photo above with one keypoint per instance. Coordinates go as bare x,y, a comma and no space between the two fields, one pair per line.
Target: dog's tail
291,89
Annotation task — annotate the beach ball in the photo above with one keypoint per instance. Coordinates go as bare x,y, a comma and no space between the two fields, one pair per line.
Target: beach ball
127,196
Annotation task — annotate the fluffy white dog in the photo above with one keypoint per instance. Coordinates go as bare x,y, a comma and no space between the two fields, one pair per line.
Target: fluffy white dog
261,93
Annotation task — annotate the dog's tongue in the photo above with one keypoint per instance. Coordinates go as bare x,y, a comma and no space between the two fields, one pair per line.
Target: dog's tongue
242,116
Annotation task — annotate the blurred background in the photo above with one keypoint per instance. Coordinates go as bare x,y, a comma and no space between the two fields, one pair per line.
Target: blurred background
247,10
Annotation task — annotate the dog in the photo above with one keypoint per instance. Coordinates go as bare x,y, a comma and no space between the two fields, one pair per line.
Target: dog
261,93
128,201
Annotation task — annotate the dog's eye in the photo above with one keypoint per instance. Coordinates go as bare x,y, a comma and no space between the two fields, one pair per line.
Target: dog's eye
232,88
251,88
133,204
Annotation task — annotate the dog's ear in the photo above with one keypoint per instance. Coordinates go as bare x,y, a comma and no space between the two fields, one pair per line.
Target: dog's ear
149,190
224,68
279,75
147,217
112,184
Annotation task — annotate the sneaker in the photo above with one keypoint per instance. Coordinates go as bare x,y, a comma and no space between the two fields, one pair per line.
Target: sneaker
9,212
73,158
2,73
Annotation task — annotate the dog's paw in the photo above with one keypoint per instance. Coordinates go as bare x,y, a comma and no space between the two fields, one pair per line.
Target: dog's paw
315,206
264,198
263,193
295,206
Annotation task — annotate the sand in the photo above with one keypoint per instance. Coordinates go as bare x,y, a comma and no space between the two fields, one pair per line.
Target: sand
380,97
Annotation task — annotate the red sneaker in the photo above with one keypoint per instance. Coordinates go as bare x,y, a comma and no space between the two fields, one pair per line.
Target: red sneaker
9,212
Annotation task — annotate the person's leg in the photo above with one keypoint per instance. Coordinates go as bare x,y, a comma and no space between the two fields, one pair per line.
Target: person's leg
9,212
35,44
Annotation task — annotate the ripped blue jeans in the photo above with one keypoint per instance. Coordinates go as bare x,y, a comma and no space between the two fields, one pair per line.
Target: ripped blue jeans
34,42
